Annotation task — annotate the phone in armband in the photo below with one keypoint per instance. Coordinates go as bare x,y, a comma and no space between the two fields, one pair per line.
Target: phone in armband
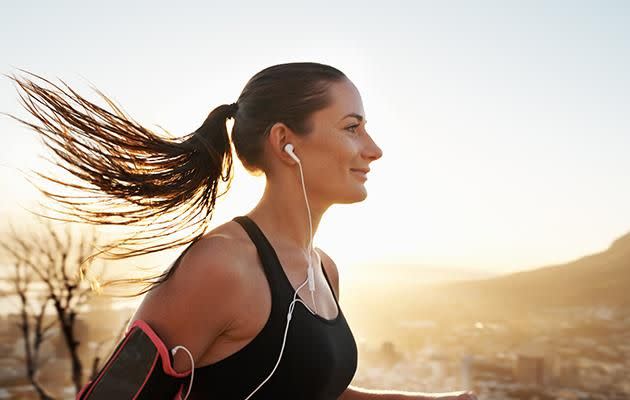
140,368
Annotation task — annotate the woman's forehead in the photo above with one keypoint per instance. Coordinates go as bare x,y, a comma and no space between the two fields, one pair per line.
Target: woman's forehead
345,102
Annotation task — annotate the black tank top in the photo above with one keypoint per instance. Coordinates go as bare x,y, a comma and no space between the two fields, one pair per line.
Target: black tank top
319,358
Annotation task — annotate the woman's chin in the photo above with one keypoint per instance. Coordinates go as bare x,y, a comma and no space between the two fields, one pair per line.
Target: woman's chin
354,197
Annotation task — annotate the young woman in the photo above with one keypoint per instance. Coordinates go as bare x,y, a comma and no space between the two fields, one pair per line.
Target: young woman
253,303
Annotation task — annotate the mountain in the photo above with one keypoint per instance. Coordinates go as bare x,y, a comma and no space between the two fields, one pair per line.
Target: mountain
597,279
397,275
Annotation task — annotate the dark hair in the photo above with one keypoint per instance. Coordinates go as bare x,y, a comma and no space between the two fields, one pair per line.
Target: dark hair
137,175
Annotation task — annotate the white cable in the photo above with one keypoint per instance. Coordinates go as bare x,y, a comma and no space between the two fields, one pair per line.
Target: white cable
310,280
286,329
310,273
310,222
192,369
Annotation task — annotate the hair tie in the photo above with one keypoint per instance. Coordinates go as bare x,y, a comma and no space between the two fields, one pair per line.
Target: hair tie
232,109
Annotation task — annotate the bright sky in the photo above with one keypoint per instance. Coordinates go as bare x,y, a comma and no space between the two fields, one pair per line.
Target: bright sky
505,126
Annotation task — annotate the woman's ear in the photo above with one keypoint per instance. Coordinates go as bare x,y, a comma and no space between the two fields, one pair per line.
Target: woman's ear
279,136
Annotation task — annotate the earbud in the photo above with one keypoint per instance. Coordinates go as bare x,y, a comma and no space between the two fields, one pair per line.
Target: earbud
289,149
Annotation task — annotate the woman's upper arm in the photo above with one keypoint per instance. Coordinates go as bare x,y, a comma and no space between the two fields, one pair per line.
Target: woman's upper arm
197,303
331,270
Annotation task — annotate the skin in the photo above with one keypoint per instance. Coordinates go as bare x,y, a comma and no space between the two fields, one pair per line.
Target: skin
222,271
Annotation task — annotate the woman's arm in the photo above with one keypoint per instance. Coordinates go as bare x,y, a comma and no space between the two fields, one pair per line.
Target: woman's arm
356,393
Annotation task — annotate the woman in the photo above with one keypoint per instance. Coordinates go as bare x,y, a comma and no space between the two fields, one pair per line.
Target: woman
231,299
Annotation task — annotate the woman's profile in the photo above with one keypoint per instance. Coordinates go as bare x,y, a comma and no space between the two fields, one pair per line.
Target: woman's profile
254,304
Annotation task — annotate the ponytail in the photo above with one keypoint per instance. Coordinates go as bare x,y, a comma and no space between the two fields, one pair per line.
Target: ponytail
135,176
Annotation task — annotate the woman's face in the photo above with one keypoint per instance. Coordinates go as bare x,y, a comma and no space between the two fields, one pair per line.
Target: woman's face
338,145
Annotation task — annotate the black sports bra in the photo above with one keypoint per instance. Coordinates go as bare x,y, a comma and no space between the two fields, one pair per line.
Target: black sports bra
319,358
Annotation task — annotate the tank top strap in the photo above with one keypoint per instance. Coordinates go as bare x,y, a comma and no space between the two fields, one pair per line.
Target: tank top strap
267,255
330,286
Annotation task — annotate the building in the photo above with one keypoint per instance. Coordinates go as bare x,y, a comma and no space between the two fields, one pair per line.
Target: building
530,370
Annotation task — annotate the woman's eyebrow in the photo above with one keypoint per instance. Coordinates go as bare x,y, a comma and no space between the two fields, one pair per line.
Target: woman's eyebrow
355,115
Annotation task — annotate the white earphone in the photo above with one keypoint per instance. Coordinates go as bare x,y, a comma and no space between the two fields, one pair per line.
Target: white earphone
289,149
310,279
310,275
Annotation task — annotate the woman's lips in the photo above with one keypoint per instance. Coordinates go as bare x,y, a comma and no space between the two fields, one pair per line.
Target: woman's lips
361,173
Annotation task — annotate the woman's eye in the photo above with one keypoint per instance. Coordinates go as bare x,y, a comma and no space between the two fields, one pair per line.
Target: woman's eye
352,128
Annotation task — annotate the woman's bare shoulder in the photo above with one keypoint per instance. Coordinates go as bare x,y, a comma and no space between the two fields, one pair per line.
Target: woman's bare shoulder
226,242
202,293
218,254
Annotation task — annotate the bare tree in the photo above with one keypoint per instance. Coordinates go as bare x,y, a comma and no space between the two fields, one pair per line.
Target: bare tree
33,324
50,268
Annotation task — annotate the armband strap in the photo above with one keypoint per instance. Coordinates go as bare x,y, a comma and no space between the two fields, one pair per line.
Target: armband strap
140,368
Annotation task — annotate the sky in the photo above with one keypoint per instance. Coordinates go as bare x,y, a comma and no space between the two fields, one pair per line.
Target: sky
504,125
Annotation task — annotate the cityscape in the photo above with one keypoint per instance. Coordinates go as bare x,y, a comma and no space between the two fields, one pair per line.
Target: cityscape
587,356
440,337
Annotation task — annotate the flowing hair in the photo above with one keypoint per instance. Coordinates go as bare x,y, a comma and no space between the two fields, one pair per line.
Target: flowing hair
131,175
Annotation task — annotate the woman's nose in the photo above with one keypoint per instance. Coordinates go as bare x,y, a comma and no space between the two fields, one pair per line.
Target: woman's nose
372,150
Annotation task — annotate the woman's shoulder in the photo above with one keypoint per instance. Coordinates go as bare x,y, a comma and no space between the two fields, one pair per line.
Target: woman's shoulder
223,242
209,266
226,242
215,261
209,276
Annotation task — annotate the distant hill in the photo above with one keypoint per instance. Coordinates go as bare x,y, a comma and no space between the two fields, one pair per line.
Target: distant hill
396,275
377,309
598,279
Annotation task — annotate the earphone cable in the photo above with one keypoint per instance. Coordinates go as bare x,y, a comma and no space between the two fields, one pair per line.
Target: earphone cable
192,368
286,330
310,243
